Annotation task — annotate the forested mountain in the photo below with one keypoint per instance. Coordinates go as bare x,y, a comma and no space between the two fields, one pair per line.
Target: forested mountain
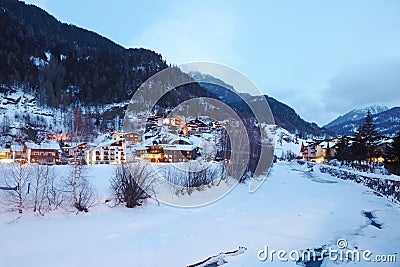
62,64
59,67
49,68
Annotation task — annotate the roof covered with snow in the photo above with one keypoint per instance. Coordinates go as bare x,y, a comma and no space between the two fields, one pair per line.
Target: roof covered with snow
48,145
109,142
387,141
327,144
179,147
17,148
166,147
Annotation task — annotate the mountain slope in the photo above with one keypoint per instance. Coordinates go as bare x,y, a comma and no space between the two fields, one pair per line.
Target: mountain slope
62,64
47,32
387,123
284,116
356,114
60,67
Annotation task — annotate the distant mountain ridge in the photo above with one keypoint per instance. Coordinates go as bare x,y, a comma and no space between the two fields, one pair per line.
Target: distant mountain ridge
356,114
387,123
284,116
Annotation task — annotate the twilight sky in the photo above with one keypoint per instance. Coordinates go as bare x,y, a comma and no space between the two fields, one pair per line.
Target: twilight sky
323,58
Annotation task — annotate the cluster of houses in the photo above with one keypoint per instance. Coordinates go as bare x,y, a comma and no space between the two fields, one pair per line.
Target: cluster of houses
165,140
176,139
324,150
183,144
51,152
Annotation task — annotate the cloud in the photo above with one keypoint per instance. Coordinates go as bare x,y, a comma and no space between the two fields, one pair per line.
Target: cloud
307,56
193,32
374,82
308,102
359,85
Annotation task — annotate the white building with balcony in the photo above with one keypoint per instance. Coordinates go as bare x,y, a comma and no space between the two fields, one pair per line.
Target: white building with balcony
108,152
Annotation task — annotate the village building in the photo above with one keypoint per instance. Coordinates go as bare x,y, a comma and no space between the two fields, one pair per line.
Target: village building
5,155
108,152
180,153
196,127
318,151
167,152
153,122
172,121
74,152
17,153
381,148
130,138
45,153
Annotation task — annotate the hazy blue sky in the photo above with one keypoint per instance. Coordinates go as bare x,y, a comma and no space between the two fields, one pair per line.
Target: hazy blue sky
323,58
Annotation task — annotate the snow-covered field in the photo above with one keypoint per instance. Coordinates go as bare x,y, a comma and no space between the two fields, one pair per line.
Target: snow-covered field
292,210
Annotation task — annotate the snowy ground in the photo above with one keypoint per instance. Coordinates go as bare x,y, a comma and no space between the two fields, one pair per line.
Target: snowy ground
292,210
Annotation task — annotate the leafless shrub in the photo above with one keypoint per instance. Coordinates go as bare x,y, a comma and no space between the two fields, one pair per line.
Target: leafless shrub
79,194
131,183
86,195
195,175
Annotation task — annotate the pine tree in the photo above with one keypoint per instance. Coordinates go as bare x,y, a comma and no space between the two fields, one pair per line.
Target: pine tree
392,156
365,139
393,150
344,152
370,134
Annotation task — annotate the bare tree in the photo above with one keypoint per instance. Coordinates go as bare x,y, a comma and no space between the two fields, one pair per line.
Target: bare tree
39,182
52,197
47,195
16,185
31,186
213,175
82,195
78,126
132,183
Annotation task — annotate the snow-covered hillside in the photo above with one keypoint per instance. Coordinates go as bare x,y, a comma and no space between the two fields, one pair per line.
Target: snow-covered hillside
293,210
287,145
20,112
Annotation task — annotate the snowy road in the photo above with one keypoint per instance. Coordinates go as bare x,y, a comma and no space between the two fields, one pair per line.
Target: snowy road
291,211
